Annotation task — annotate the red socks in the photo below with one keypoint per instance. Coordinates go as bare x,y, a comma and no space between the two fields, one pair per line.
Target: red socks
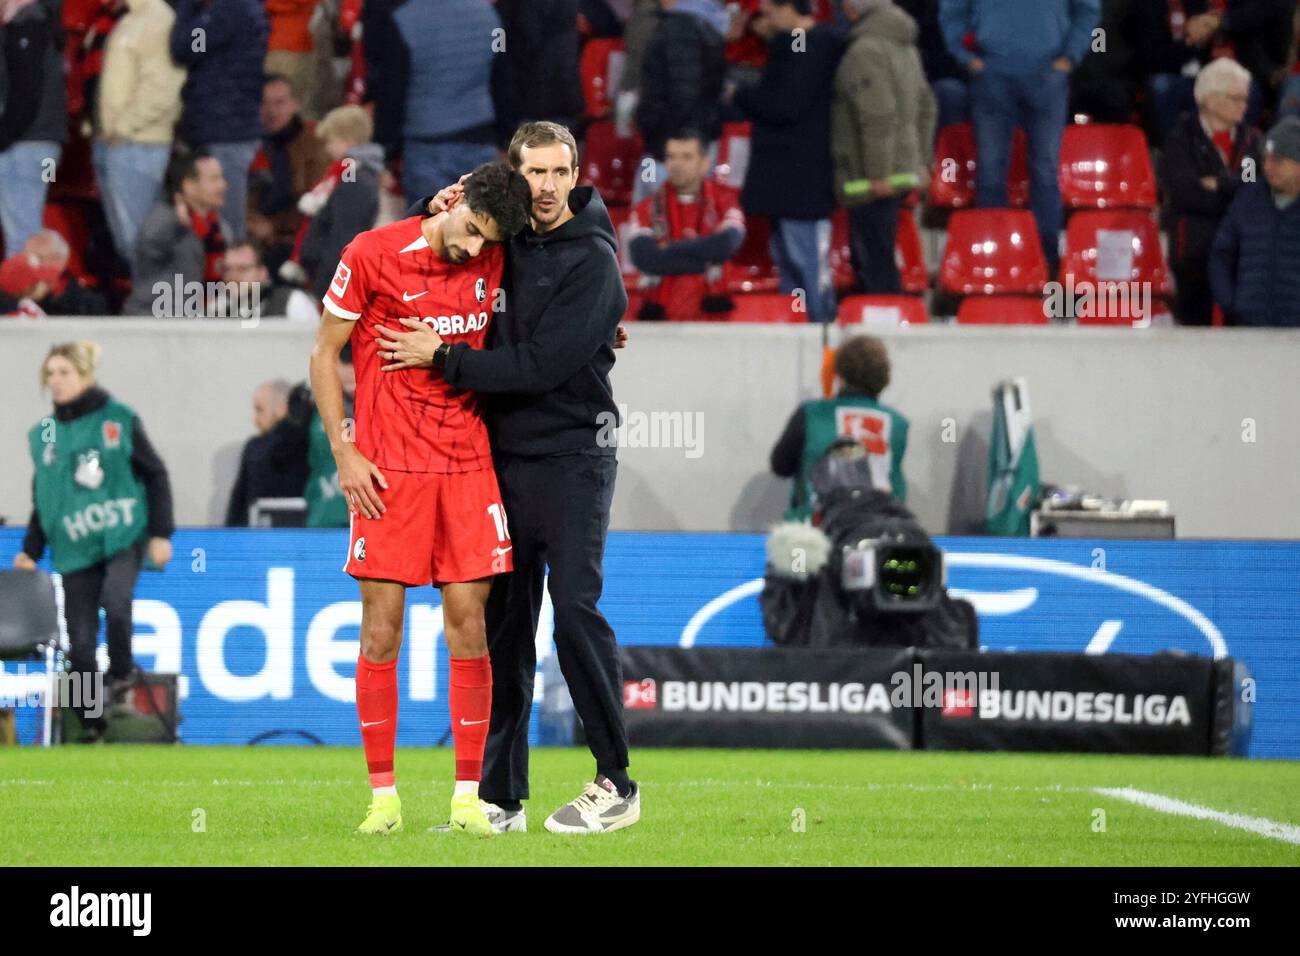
470,700
377,710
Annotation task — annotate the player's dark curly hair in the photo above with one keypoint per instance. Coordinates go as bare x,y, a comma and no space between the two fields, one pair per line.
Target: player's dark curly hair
496,190
863,364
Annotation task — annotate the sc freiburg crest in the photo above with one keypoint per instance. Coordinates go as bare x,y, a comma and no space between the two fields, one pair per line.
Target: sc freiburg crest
480,289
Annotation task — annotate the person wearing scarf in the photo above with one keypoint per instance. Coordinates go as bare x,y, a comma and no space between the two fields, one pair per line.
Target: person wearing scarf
289,162
182,239
343,203
681,237
1200,170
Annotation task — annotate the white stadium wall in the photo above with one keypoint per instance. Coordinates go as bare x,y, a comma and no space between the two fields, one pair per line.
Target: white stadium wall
1203,418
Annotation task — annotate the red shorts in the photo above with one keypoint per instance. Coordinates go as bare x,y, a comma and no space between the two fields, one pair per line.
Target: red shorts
437,529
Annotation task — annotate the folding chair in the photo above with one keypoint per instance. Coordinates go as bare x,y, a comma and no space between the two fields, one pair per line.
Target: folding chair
29,630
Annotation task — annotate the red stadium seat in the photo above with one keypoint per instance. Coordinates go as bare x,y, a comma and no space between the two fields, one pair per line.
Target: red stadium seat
1001,310
992,251
1104,165
752,269
600,68
733,154
611,162
766,307
1104,246
952,181
888,311
909,255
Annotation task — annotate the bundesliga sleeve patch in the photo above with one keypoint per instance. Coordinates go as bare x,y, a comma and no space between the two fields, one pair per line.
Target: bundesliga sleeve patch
339,284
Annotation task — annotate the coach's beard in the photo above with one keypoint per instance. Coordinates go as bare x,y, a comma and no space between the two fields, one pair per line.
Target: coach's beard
545,216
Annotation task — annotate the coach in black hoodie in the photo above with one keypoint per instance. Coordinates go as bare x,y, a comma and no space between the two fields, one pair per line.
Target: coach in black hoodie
552,418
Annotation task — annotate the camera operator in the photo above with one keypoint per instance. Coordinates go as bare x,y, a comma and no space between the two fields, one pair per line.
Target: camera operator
862,369
863,573
103,503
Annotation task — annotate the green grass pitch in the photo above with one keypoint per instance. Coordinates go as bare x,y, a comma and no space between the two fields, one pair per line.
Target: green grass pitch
266,806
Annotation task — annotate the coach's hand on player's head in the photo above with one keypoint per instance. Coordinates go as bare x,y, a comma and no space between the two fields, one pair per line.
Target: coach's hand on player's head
410,349
357,479
448,197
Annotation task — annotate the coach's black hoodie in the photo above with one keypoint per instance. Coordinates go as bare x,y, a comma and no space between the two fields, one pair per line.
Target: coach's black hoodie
552,347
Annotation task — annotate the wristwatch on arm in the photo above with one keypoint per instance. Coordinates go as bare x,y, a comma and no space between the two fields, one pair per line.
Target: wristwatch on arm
440,355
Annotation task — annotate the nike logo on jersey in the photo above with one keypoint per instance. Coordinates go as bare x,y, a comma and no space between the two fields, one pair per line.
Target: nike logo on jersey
407,297
500,551
471,723
374,723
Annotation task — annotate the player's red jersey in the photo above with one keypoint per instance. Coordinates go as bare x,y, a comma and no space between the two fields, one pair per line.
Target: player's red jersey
412,420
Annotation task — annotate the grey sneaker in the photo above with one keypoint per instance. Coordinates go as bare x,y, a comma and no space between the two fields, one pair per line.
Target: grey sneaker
598,809
505,821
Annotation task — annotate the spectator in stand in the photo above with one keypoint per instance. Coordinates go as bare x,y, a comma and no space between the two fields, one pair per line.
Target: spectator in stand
882,132
289,47
182,239
682,72
222,96
946,76
139,103
683,235
1253,264
747,36
638,32
346,200
243,264
1200,170
67,294
1177,37
1104,86
24,282
429,69
33,127
292,160
1258,34
790,177
536,75
1169,64
273,464
1020,76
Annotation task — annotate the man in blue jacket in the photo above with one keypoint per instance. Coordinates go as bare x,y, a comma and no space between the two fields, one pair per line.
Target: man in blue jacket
1255,262
1020,76
222,44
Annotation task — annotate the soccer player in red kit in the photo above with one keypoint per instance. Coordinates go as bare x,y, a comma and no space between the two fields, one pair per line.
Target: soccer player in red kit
416,468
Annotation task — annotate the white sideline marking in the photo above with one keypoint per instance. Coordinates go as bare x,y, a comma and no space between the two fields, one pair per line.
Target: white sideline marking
1257,825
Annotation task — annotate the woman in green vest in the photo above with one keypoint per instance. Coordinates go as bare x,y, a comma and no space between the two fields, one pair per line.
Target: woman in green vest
862,370
102,503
